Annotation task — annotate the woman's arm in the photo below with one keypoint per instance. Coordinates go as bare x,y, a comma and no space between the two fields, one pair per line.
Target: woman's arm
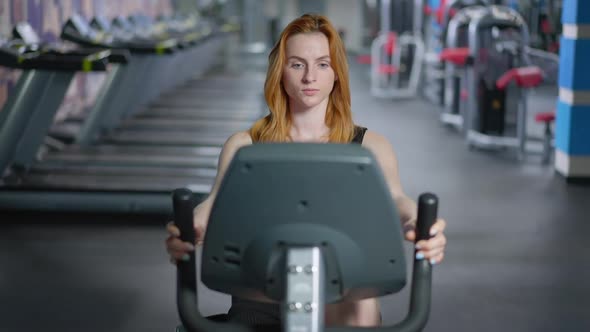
383,152
202,211
176,248
432,249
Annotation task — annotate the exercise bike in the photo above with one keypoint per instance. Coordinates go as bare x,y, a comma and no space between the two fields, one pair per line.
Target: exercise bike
302,225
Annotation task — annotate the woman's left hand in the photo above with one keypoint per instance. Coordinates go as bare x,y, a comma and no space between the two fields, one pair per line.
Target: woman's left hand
432,249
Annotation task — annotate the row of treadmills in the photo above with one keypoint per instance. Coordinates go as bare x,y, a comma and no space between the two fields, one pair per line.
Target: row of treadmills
157,123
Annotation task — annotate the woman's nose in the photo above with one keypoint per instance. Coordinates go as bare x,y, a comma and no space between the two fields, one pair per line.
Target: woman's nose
309,76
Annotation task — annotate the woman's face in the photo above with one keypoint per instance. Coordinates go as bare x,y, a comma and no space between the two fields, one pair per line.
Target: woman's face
308,77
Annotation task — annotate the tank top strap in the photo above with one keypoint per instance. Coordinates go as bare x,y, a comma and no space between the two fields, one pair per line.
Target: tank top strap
359,134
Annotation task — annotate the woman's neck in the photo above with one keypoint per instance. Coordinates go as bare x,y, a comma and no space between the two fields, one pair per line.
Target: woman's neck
309,125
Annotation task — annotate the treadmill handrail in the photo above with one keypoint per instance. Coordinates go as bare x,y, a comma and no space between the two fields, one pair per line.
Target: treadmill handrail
24,33
89,61
102,40
141,25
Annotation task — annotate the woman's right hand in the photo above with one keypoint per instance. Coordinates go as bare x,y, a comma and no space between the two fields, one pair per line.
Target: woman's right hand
177,249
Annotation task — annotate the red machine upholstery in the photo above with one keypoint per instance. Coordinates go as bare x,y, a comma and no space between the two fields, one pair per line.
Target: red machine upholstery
545,117
525,77
388,69
457,56
464,94
364,59
453,12
390,45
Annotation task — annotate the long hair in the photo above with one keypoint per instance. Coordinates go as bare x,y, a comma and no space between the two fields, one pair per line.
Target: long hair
275,126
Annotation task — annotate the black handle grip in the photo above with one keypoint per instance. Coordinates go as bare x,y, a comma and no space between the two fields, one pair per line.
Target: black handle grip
183,204
420,295
427,214
187,298
183,213
64,63
119,56
422,270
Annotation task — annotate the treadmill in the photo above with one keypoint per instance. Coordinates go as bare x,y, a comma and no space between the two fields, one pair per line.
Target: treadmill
26,117
93,184
198,130
210,99
108,98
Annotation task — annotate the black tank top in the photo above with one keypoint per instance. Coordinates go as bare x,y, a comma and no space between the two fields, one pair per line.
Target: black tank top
359,134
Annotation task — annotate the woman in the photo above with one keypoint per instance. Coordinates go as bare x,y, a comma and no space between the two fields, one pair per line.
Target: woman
308,95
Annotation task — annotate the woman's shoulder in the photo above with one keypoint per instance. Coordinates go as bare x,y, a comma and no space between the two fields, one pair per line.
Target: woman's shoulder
382,149
239,139
377,143
236,141
374,138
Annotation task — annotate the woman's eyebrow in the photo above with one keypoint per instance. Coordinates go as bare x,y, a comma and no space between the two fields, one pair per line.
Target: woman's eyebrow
325,57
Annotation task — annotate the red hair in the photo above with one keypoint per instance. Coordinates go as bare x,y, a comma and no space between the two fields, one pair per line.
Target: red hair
275,126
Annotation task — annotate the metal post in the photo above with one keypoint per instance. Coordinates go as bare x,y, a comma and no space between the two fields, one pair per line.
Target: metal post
385,16
418,17
303,309
521,129
105,101
471,100
41,119
18,111
248,16
472,81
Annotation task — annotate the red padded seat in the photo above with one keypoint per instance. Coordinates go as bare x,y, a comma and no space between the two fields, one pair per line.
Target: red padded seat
457,56
464,94
388,69
524,77
364,59
545,117
391,43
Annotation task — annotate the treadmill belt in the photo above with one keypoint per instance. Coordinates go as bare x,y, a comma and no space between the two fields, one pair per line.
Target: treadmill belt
244,92
201,151
228,125
209,103
89,170
171,138
190,112
226,82
129,159
107,182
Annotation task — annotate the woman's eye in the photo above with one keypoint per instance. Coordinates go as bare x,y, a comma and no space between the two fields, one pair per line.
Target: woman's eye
324,65
296,65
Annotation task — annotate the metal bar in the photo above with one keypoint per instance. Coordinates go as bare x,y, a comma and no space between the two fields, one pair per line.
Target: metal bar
385,16
42,117
521,129
17,111
106,99
303,309
418,17
76,201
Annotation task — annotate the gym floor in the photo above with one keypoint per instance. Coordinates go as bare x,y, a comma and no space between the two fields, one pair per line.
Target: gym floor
517,258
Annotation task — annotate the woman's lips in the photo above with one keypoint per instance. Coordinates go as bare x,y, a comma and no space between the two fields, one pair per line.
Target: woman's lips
310,92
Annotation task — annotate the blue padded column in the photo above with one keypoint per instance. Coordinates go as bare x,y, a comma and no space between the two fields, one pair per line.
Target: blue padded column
572,128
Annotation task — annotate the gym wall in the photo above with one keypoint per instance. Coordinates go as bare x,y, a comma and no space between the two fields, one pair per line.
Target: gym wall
346,15
572,134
